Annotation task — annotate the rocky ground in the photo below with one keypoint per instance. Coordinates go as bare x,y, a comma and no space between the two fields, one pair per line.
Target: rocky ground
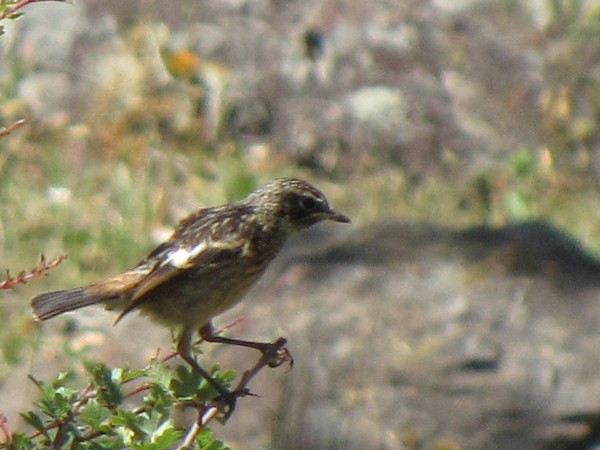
434,338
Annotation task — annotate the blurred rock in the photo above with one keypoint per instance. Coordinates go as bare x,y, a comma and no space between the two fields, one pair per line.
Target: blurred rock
330,84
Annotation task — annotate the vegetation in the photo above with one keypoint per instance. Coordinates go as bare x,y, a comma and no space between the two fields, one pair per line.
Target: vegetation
100,416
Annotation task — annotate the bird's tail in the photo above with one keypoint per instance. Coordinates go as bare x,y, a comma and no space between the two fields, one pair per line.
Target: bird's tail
50,304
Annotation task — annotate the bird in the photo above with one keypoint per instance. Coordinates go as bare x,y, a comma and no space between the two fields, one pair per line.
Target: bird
212,259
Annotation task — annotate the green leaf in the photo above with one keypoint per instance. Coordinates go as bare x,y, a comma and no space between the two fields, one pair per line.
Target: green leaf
21,442
36,422
158,397
160,373
130,424
187,382
166,438
206,441
153,421
190,385
108,382
225,377
94,414
56,401
129,375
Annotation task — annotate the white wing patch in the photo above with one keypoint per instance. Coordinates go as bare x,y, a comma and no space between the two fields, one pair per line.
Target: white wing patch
182,256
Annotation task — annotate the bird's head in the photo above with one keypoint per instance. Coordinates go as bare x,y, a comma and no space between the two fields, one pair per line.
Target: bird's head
295,203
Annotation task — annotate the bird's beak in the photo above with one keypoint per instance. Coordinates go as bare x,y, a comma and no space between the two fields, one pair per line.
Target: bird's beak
336,217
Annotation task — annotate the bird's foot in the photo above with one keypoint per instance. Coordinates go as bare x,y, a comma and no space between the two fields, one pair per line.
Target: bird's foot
276,353
226,402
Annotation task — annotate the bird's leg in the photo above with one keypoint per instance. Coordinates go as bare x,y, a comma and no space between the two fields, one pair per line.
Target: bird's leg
276,353
184,348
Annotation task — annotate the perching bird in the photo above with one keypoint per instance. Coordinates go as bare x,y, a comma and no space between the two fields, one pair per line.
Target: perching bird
212,259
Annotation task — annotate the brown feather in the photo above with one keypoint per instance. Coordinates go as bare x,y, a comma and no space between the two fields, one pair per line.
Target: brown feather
50,304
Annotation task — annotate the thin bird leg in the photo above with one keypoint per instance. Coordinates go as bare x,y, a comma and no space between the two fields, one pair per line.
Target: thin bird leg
275,352
184,348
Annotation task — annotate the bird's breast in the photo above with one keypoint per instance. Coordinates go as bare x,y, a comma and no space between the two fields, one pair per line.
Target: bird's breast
196,296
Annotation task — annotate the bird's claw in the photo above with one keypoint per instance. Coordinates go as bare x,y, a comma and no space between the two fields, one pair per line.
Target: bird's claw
277,353
226,402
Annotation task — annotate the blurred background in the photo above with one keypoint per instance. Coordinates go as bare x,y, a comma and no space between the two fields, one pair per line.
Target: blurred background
459,311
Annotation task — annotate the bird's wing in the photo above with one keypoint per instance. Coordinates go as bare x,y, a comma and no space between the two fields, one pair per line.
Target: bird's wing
200,245
197,259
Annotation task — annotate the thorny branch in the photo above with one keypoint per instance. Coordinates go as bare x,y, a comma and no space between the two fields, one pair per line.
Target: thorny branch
23,277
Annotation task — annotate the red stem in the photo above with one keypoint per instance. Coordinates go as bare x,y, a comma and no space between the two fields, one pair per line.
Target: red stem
20,4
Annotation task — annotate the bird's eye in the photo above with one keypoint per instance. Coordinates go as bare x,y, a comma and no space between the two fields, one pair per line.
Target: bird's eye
308,203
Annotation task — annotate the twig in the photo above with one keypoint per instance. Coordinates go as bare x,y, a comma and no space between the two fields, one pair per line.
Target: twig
279,351
192,434
12,127
18,5
24,277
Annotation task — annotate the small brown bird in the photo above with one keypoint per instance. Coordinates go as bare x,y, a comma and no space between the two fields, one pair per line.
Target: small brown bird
212,259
